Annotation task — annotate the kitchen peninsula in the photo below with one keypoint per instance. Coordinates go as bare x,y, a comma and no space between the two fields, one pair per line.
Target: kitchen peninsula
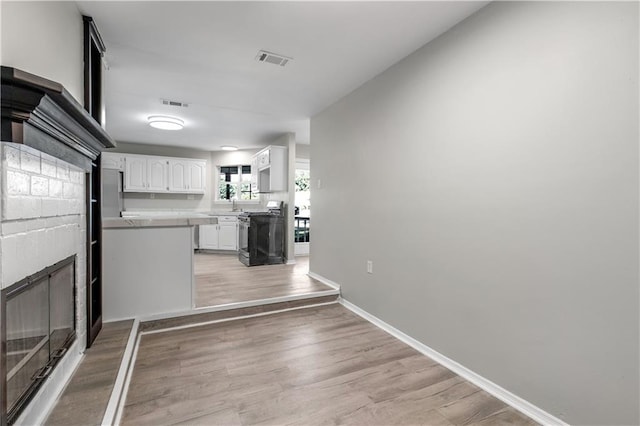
148,264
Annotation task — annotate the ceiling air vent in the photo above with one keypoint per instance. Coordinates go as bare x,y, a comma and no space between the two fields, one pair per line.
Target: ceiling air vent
174,103
272,58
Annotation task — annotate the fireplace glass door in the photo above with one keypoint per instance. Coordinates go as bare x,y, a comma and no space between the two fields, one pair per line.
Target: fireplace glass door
39,327
27,338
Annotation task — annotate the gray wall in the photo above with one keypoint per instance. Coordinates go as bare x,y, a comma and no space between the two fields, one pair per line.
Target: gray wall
514,139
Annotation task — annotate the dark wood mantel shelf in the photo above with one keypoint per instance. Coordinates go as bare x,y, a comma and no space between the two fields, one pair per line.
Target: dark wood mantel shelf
42,113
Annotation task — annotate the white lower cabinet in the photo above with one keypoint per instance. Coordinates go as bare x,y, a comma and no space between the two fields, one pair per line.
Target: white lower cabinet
228,236
209,237
223,236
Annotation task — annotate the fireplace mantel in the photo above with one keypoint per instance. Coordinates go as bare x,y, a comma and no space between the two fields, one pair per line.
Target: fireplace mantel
41,113
49,199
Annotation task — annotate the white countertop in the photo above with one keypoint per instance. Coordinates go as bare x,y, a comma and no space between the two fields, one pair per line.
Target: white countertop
158,221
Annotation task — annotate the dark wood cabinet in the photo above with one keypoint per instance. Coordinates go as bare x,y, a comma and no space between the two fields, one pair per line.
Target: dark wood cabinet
93,103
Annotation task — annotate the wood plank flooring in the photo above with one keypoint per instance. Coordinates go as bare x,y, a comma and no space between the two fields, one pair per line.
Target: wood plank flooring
321,365
222,279
85,399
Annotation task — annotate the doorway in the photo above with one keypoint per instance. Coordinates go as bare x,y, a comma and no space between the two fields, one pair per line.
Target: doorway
302,208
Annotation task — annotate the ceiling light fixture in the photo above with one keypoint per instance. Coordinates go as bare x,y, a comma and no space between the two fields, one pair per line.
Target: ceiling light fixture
229,148
164,122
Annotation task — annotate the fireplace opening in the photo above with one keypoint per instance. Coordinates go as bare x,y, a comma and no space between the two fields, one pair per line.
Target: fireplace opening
38,326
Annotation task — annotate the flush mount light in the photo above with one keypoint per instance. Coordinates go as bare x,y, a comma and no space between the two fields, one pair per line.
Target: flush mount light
229,148
164,122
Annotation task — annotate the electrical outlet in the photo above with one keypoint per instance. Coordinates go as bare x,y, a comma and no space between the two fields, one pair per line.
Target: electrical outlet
319,184
152,195
369,266
190,197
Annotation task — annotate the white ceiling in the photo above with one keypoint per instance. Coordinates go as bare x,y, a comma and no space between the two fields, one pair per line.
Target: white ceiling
203,53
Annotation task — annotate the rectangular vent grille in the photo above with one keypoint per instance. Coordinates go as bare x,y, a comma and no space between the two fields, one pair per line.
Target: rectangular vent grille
174,103
272,58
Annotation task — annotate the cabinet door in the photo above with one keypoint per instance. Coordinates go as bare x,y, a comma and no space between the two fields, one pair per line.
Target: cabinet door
254,175
135,177
209,237
264,158
196,176
177,176
228,237
157,175
112,160
279,171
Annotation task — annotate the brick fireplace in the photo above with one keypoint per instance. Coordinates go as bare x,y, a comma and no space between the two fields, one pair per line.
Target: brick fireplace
42,222
48,149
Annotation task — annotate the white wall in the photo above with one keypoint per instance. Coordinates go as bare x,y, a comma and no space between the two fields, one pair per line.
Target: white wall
44,38
514,140
303,151
227,158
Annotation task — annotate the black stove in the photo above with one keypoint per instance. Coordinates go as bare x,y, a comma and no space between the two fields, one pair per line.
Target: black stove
261,236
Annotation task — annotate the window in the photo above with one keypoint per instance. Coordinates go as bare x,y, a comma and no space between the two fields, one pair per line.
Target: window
234,183
303,199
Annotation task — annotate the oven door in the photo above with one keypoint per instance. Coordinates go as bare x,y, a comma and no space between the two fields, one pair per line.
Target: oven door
244,225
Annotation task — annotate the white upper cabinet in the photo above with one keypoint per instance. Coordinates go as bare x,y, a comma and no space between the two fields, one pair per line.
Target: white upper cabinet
187,176
264,158
144,173
254,174
112,160
197,171
157,174
271,169
177,176
135,174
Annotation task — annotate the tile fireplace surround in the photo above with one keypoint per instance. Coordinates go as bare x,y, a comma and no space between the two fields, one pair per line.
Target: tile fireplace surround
42,221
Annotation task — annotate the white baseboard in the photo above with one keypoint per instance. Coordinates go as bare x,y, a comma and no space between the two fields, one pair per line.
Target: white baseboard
324,280
525,407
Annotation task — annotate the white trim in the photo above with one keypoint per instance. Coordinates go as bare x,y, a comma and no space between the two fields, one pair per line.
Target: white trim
291,261
261,314
127,382
324,280
118,387
238,305
525,407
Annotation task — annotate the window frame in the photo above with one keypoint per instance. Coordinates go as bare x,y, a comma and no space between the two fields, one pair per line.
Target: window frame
237,184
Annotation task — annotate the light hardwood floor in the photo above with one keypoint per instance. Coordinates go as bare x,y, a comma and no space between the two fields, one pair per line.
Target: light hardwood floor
222,279
321,365
85,398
